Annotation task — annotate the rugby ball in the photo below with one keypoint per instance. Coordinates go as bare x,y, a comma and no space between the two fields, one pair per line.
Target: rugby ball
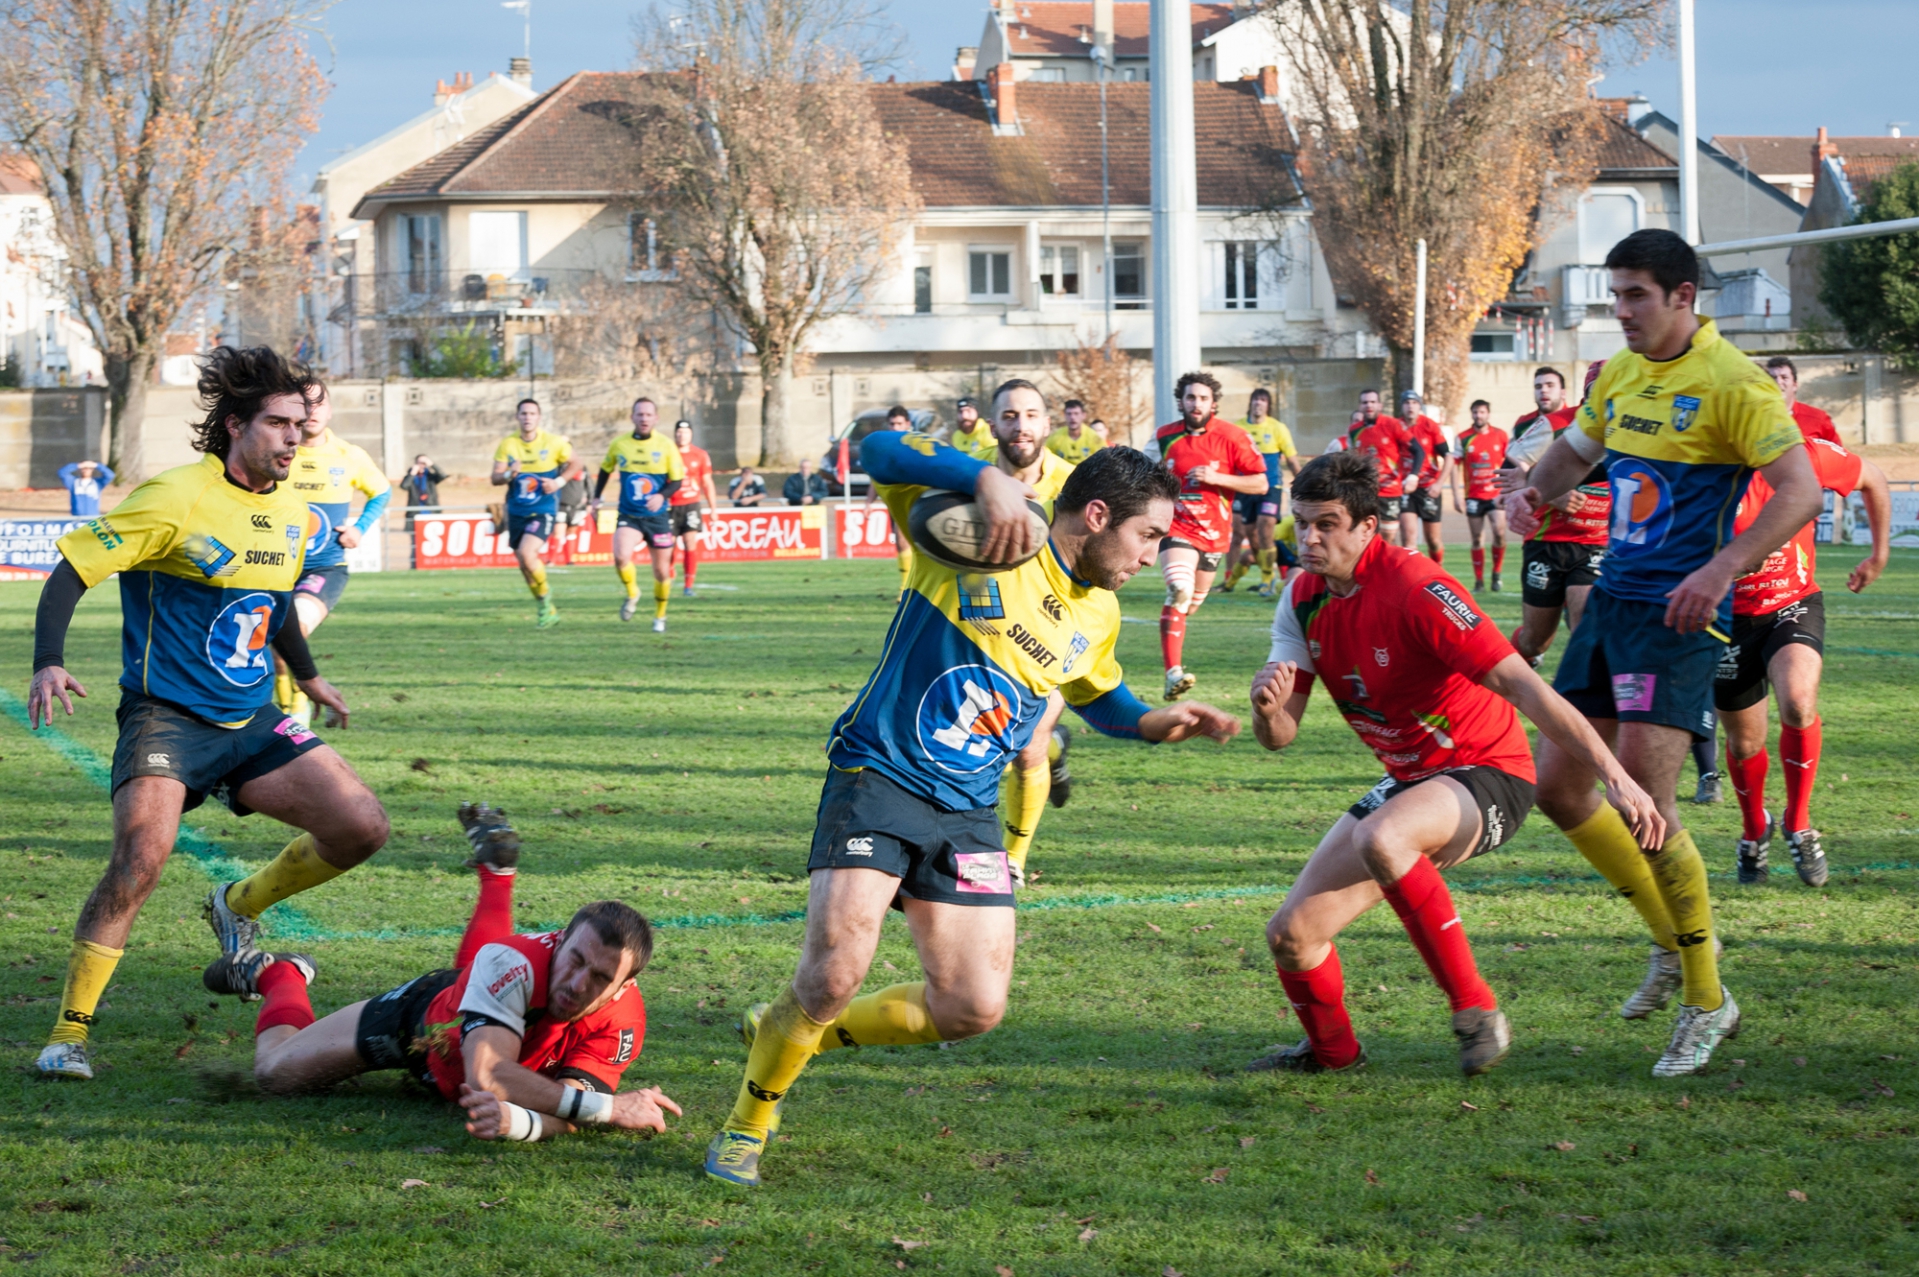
950,530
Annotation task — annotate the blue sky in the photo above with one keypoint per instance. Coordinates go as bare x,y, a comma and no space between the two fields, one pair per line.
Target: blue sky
1765,66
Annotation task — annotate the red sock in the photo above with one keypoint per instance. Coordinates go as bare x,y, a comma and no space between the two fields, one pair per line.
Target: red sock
1319,1000
1172,635
1499,558
1439,554
283,993
692,564
492,916
1799,751
1426,908
1479,564
1748,776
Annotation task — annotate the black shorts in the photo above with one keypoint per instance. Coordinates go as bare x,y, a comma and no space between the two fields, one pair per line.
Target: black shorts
1208,562
1246,506
1550,568
158,738
1503,799
1742,681
530,525
1480,507
656,528
327,584
1625,662
1389,508
952,857
1269,505
392,1031
686,519
1425,506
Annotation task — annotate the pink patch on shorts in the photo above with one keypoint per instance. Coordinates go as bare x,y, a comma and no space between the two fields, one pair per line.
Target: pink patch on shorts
291,729
983,872
1633,693
660,540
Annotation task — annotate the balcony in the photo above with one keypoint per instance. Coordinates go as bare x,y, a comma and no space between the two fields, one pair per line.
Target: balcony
404,296
1585,286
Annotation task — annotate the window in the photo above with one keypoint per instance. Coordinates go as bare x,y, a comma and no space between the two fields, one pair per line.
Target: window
1059,270
989,273
1242,276
496,244
1606,216
922,290
1494,346
422,248
1129,276
1048,75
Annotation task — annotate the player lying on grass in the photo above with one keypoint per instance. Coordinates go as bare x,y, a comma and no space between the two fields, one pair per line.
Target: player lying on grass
906,817
529,1033
1430,685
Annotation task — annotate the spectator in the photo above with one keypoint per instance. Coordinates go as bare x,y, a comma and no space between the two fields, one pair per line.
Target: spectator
422,484
808,487
747,489
85,481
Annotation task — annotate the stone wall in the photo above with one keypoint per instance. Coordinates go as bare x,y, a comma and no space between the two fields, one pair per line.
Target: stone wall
42,430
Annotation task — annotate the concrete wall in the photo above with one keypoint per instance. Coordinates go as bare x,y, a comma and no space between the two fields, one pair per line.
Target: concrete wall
42,430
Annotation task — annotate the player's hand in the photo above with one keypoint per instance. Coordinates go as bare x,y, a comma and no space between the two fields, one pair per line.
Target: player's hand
485,1119
642,1110
1521,513
1694,603
1457,508
1272,686
1635,805
1202,473
1866,573
1510,478
325,693
1185,720
50,684
1409,485
551,486
350,537
1009,532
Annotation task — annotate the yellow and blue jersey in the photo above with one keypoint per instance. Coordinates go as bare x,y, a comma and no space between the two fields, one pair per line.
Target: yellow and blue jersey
1683,438
325,475
1062,445
1274,441
207,570
544,457
977,443
970,658
645,467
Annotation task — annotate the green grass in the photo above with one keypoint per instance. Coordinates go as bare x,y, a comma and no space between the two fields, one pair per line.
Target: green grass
1101,1129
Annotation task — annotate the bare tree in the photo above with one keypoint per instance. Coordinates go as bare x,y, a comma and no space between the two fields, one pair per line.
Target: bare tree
782,199
1108,381
270,283
1460,122
158,128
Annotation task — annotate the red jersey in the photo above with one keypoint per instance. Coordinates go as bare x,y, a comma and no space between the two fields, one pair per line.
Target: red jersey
1814,423
506,983
1481,453
1390,444
1588,520
1432,442
1203,518
699,468
1402,656
1788,575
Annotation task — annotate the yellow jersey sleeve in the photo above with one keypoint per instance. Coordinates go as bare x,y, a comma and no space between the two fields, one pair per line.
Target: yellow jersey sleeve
1103,672
1283,439
563,451
1758,426
367,475
147,526
675,464
505,452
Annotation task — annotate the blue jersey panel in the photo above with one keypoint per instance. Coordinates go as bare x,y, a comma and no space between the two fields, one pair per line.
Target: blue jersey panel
1668,519
203,648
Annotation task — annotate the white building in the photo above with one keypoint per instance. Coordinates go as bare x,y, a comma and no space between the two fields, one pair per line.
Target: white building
41,335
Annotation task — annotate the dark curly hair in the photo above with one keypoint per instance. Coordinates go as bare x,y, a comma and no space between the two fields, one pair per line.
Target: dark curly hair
1201,378
237,383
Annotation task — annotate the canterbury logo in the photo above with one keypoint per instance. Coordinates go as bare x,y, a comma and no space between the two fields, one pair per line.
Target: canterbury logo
860,844
262,522
759,1093
76,1017
1051,607
846,1039
1691,938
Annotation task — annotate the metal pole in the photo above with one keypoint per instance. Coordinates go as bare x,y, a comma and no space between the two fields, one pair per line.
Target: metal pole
1102,55
1688,129
1175,301
1793,239
1419,321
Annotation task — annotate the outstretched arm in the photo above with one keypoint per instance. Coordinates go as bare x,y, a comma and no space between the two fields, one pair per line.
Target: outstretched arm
893,458
1795,502
1571,456
492,1067
51,682
1878,498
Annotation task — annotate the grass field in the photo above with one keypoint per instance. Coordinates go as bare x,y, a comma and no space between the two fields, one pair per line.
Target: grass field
1101,1129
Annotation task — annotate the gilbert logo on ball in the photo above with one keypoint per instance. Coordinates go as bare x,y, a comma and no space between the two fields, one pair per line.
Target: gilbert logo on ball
950,529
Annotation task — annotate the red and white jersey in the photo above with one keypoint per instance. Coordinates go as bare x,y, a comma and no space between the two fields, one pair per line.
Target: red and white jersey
1788,574
1588,516
1432,441
1481,453
1402,656
1389,442
699,468
1814,423
1203,518
506,983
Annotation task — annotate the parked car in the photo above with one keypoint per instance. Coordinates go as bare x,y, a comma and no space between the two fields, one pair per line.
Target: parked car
854,432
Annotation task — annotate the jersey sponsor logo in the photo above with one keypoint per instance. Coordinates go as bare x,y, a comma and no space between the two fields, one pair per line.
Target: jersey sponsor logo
1357,686
1641,506
212,558
1074,650
1029,643
1495,829
625,1053
980,872
266,558
295,731
159,760
261,523
309,487
1633,693
518,971
1458,610
319,529
1538,575
966,719
103,533
1437,724
237,640
1051,606
859,846
1685,411
1642,425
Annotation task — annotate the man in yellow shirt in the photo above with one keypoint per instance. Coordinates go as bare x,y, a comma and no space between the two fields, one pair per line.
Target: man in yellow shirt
971,435
651,471
1255,517
533,466
1075,441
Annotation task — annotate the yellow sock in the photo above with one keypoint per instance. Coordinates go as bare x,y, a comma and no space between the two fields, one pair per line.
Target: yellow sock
1235,572
1022,801
662,591
630,579
906,567
1681,874
1609,847
296,868
88,971
895,1016
1268,564
537,583
786,1040
283,691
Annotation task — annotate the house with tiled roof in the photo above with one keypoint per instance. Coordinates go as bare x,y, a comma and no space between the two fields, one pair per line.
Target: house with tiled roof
1846,170
43,340
1791,162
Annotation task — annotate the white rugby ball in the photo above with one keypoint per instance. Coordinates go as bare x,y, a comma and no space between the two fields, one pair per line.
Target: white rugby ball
949,529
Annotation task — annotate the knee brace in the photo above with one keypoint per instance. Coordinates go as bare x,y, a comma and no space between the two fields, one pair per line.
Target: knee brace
1179,586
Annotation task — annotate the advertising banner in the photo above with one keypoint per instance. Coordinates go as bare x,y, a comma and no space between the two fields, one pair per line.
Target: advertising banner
27,547
738,536
862,532
782,532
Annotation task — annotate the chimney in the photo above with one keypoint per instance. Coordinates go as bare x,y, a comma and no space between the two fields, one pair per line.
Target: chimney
1103,28
964,61
520,71
999,91
1822,147
1269,86
441,92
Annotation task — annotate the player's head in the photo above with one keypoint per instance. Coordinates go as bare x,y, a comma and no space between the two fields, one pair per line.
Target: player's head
1198,396
1075,412
1549,389
1785,375
319,411
606,944
527,413
1410,404
645,416
1121,501
1259,405
1335,511
683,433
1097,426
897,418
1020,423
255,405
1655,279
1369,405
968,413
1482,413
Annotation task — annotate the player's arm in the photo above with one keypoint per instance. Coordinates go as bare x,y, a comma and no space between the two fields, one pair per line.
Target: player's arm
378,496
1570,458
560,1107
712,493
290,644
1795,502
504,464
1280,692
1514,680
51,682
895,458
1453,484
1878,498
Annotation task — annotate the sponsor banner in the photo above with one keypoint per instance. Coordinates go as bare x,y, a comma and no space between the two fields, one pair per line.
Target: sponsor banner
28,547
746,535
1853,526
863,532
471,541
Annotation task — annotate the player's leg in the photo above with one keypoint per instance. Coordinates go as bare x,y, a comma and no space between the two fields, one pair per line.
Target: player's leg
1541,600
1705,749
1265,553
903,551
495,862
1334,888
966,954
660,545
1027,785
1795,669
1498,519
529,547
625,541
1476,533
309,609
1576,596
1746,765
1238,551
686,522
1435,541
1178,564
1408,524
292,1052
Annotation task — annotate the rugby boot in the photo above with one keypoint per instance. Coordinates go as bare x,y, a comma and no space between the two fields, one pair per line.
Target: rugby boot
65,1059
548,615
1709,790
1752,854
1178,682
495,845
687,592
1269,590
1695,1035
238,975
1056,763
1497,587
1484,1038
659,625
628,608
235,932
1299,1058
1663,979
1808,857
734,1158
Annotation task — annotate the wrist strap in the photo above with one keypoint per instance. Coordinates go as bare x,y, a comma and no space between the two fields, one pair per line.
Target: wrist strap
589,1107
522,1125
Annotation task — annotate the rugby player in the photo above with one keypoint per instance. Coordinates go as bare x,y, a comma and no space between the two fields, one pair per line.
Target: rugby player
906,814
1073,442
1395,451
1778,637
533,466
1254,517
1430,685
326,470
1560,562
651,474
208,556
684,505
1482,450
1679,420
531,1034
1423,508
971,435
1214,461
1813,422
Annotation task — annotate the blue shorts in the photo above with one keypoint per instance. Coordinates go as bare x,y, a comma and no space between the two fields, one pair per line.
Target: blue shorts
540,525
158,738
656,528
1246,506
326,584
952,857
1625,662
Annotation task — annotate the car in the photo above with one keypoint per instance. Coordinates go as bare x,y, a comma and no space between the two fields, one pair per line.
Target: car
855,432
